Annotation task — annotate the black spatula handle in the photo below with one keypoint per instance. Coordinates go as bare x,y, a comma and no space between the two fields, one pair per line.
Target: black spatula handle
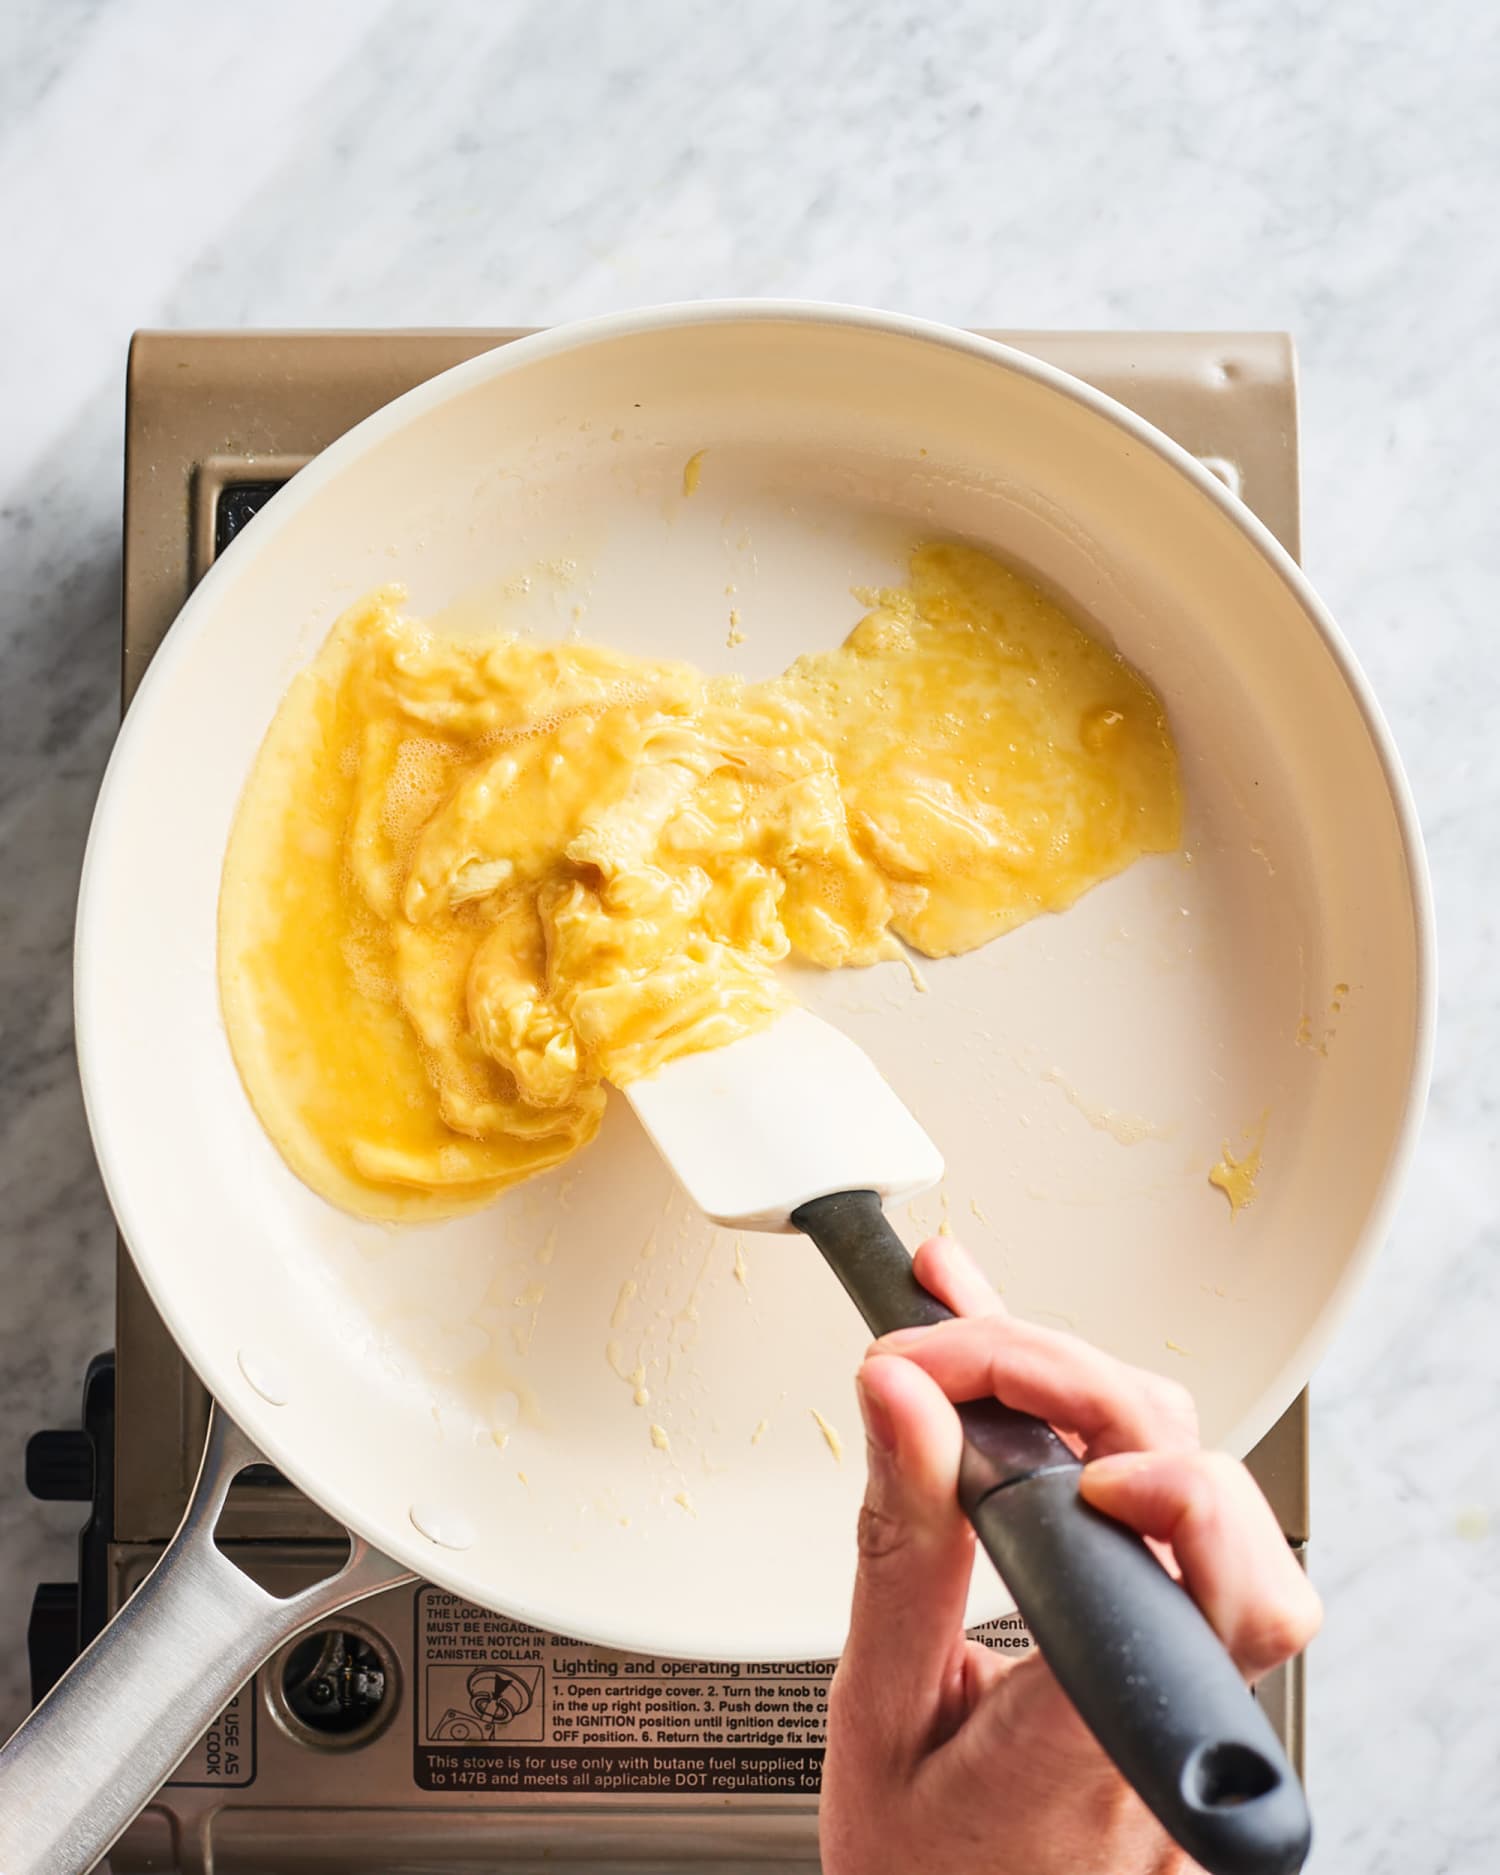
1148,1675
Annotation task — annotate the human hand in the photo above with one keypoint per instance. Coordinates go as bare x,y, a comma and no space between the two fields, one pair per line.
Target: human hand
945,1758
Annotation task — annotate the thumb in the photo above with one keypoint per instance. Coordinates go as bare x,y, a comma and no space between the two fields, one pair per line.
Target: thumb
902,1668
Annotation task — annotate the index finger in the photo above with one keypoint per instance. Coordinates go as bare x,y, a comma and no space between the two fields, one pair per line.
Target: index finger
1076,1387
946,1268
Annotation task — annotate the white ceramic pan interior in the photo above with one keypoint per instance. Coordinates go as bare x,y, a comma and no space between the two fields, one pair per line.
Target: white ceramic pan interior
447,1389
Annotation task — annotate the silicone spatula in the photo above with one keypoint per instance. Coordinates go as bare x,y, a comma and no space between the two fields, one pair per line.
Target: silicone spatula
795,1129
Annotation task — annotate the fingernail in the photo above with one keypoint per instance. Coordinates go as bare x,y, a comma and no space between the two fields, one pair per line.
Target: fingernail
1119,1465
873,1410
904,1337
967,1261
952,1250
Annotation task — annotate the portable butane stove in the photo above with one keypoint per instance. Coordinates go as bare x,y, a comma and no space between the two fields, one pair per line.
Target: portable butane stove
421,1733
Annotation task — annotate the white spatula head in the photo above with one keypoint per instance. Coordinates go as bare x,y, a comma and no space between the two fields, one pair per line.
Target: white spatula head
796,1112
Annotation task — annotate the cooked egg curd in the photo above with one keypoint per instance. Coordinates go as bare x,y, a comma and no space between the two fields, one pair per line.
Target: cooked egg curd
472,880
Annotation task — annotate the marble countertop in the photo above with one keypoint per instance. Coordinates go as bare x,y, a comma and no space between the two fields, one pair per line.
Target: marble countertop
1172,165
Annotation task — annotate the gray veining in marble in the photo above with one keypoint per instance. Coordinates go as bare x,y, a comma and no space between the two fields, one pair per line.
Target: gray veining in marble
1177,163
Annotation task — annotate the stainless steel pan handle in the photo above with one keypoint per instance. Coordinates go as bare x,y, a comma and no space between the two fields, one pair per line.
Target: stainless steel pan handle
117,1724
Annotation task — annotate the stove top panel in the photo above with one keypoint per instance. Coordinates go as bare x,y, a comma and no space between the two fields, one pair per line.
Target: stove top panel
420,1732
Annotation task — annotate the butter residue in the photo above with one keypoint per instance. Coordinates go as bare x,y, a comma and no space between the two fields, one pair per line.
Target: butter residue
687,1321
531,1297
1321,1038
489,1369
897,952
634,1377
1236,1175
623,1301
741,1269
762,1427
736,636
1128,1128
659,1439
830,1435
692,472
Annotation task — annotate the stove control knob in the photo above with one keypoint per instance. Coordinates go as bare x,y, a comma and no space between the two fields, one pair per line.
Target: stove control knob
60,1466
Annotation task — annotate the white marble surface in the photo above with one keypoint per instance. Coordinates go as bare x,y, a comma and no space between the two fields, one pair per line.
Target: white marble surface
1181,163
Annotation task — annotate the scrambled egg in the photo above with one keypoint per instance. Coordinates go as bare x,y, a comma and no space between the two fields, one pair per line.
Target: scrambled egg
1235,1175
472,880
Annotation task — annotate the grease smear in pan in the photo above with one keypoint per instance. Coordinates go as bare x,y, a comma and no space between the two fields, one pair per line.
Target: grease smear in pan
474,879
